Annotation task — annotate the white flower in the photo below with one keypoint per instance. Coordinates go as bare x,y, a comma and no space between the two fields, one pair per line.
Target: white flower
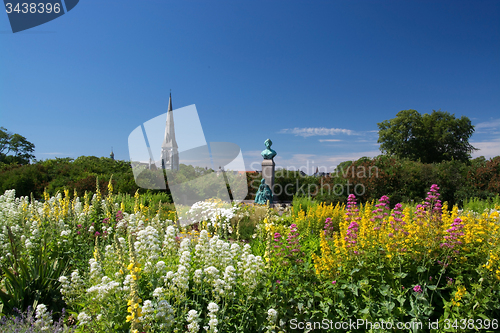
272,315
158,292
160,267
212,323
83,318
213,307
43,318
164,315
148,246
103,289
65,233
147,311
192,319
197,276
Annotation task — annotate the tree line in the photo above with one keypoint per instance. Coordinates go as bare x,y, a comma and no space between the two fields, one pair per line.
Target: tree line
417,151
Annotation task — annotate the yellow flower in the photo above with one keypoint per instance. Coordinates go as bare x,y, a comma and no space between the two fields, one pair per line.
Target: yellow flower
130,266
130,317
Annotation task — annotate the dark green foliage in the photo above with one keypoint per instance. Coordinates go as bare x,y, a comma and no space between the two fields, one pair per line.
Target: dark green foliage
427,138
65,173
15,148
404,180
288,184
32,281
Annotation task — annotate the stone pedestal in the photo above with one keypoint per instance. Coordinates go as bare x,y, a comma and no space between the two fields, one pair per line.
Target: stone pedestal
268,173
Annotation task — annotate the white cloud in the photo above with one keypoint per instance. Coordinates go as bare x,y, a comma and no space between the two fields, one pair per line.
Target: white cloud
488,124
329,140
488,149
316,131
488,127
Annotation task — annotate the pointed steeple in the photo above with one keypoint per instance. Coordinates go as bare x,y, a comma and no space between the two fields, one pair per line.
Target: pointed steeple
112,155
169,148
169,139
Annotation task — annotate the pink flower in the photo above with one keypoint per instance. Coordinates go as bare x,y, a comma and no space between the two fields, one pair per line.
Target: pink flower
417,289
334,282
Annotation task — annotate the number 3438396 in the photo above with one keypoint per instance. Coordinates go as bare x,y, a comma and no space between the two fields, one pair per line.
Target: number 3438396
32,8
471,324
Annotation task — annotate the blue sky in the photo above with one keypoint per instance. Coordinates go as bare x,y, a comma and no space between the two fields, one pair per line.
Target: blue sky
314,76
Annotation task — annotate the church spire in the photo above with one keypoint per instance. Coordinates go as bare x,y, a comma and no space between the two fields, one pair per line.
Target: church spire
169,139
170,101
169,153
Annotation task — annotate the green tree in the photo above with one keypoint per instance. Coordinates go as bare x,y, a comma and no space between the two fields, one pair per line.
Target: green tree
15,148
431,138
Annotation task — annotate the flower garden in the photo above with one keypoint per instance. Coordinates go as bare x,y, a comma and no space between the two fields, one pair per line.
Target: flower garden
101,264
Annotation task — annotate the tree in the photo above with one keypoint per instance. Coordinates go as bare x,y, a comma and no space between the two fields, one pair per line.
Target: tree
431,138
15,148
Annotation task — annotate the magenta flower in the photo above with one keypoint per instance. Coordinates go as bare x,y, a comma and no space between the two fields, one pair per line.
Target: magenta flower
97,233
432,204
328,227
293,246
452,234
417,289
334,282
381,211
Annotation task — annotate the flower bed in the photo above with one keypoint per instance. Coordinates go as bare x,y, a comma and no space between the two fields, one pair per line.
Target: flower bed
137,272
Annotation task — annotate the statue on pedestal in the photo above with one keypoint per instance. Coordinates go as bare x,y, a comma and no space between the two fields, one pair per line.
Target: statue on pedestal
268,153
264,194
